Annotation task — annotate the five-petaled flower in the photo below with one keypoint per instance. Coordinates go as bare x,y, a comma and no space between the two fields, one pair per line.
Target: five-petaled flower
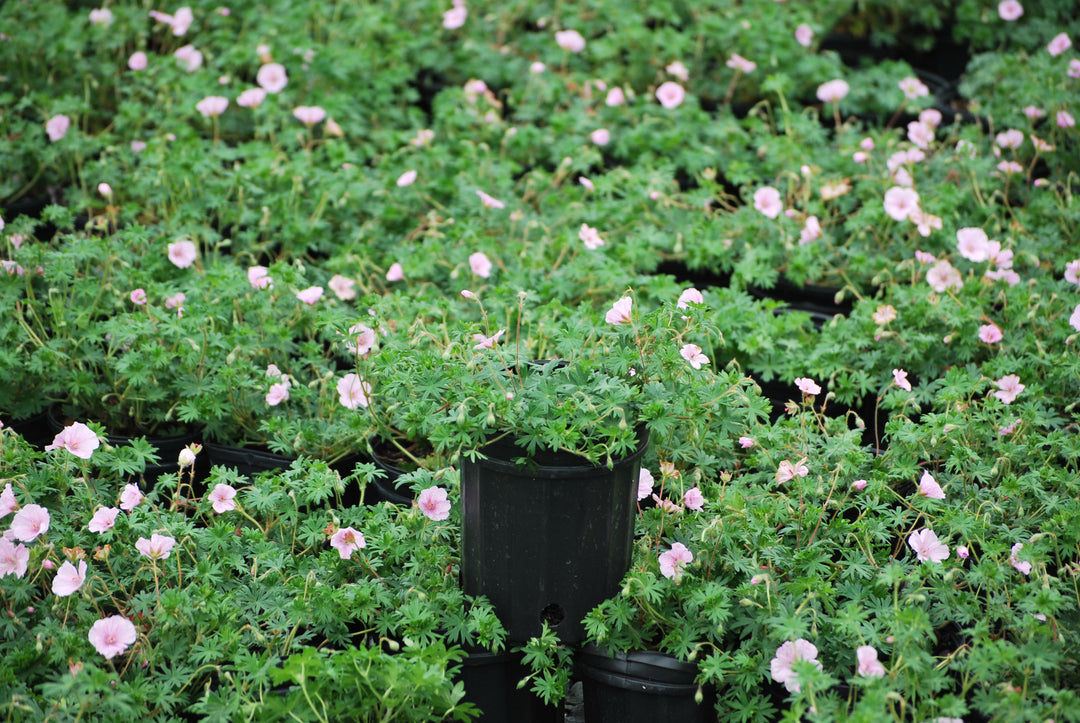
183,253
927,547
69,579
590,237
787,471
693,499
14,559
645,484
223,498
1021,565
57,127
480,264
807,386
353,391
487,342
767,201
104,519
900,379
1009,387
782,666
309,115
76,438
29,522
674,560
212,106
833,91
113,635
619,313
929,487
434,504
868,665
346,540
489,202
157,547
131,497
692,353
570,40
8,503
272,77
670,94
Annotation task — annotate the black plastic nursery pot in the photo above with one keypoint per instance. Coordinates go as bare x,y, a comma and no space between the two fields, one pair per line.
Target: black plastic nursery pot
641,686
547,542
491,684
246,461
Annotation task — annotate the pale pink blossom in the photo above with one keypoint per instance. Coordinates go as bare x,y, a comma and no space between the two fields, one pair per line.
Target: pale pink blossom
962,552
487,342
900,202
787,471
1011,277
181,20
859,157
138,297
480,264
1008,167
590,237
804,35
924,258
670,94
1072,271
101,16
1011,138
746,442
807,386
395,272
183,253
689,296
900,379
930,117
137,61
1021,565
692,353
615,97
829,191
69,579
342,286
76,438
767,201
138,146
833,91
601,136
489,202
674,560
353,391
943,276
223,497
309,115
570,40
1009,387
455,17
1059,44
279,392
361,339
536,68
104,189
619,313
645,484
259,278
920,134
927,547
251,98
693,499
782,666
29,522
586,183
131,497
1074,68
990,333
103,520
57,127
272,77
1008,428
929,487
8,503
112,636
859,485
189,57
741,64
811,230
346,540
1074,318
406,179
1034,112
1064,119
310,295
14,559
925,223
212,106
884,314
913,88
434,504
1010,10
158,547
868,665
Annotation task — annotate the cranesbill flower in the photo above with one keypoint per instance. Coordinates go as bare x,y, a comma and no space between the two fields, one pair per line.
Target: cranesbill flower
833,91
104,519
8,503
943,276
692,353
786,471
782,666
674,560
1074,318
69,579
1064,119
615,97
619,313
807,386
1059,44
1010,10
811,230
272,77
645,484
868,665
310,295
157,547
693,499
212,106
14,559
395,272
259,278
990,333
929,487
353,391
346,540
434,504
480,264
76,438
183,253
309,115
113,635
29,522
601,136
406,179
251,98
689,296
590,237
679,70
137,61
900,202
489,202
900,379
884,314
570,40
913,88
767,201
131,497
487,342
455,17
57,127
927,547
138,296
189,57
1021,565
101,16
223,497
670,94
279,392
1009,387
342,286
804,35
741,64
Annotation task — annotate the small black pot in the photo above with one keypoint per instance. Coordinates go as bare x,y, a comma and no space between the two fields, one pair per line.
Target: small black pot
641,686
247,461
491,685
385,489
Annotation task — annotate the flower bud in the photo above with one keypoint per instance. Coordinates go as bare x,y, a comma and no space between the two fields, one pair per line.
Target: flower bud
186,457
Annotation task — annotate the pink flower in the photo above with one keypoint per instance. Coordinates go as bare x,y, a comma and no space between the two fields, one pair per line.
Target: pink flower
1007,167
1010,10
406,179
692,353
1033,112
309,115
181,21
361,339
186,456
131,497
1009,387
1072,271
689,296
693,499
251,98
1074,318
395,272
913,88
670,94
746,442
212,106
223,496
346,540
1022,566
590,237
929,488
157,547
920,134
1011,138
859,485
962,552
68,579
645,484
615,97
1074,68
191,58
487,342
433,503
353,391
138,296
342,286
924,258
674,560
619,313
1059,44
259,278
101,16
741,64
787,471
489,202
570,40
833,91
272,77
900,202
8,503
76,438
57,127
138,146
884,314
1064,119
279,392
113,635
807,386
943,276
782,666
930,117
900,379
310,295
804,35
678,70
868,665
183,253
767,201
455,17
103,519
29,522
14,559
811,231
927,547
480,264
990,333
137,61
600,136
